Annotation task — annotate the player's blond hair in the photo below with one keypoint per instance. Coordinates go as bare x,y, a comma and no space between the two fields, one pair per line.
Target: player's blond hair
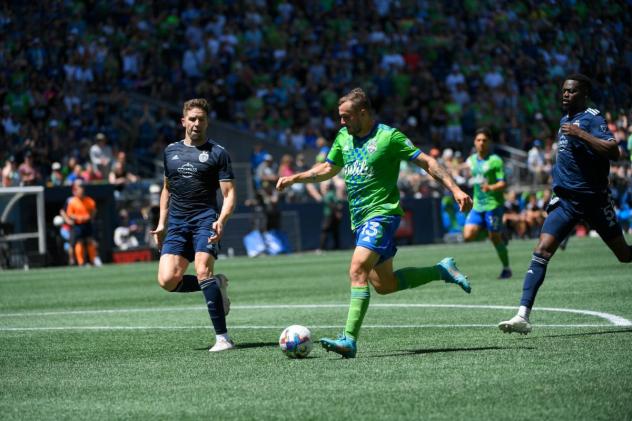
358,98
195,103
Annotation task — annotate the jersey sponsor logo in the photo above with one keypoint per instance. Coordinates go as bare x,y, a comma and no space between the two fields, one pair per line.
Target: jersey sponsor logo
203,156
187,170
358,168
175,157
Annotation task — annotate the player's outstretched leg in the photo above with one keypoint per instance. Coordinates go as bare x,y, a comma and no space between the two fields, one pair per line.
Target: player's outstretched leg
342,345
451,274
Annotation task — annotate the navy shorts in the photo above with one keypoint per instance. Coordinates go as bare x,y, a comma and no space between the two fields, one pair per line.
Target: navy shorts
378,235
566,210
491,220
187,239
81,231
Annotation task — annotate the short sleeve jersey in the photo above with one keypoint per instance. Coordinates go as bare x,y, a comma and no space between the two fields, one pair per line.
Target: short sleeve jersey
486,171
80,209
578,167
193,174
371,168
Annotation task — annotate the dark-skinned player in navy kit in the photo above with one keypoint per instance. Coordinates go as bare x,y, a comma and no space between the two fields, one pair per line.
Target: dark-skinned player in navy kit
580,184
190,225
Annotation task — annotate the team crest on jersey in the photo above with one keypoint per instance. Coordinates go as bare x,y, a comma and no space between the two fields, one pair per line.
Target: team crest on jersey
371,147
576,123
203,156
604,128
187,170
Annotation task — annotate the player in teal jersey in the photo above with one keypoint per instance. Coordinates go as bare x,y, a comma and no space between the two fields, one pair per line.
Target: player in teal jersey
488,180
370,154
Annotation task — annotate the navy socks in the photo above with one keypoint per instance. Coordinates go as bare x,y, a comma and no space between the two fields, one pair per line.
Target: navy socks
533,279
189,283
215,305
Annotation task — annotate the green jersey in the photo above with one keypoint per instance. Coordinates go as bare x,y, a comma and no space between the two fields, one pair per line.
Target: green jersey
489,170
371,168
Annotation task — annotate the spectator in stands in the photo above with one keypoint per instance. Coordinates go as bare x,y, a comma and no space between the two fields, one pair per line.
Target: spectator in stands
75,175
101,155
10,173
536,163
90,174
120,177
126,231
29,175
81,211
267,172
56,178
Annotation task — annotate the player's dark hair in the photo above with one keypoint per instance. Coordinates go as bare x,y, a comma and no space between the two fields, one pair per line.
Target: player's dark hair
358,98
195,103
584,81
484,130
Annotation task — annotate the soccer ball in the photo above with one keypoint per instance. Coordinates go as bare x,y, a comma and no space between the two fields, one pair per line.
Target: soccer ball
296,341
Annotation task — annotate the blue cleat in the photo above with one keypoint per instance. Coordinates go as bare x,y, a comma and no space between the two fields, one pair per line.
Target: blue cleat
451,274
341,345
505,274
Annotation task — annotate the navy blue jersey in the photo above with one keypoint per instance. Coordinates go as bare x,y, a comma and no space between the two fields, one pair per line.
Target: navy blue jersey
579,168
193,174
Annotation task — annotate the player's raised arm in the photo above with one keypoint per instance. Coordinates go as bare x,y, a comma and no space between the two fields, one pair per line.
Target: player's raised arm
439,173
319,172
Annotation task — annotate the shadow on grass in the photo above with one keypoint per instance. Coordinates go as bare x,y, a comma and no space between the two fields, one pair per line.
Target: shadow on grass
602,332
442,350
246,345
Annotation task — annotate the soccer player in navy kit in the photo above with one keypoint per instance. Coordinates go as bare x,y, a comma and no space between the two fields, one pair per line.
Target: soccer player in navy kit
580,184
195,168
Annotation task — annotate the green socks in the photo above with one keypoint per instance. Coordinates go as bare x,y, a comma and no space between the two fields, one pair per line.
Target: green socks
503,254
408,278
358,306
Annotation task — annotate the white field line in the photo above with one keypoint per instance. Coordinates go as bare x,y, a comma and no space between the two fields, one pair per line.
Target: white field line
422,326
611,318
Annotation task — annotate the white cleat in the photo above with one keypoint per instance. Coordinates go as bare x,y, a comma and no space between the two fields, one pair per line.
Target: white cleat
222,345
516,324
222,280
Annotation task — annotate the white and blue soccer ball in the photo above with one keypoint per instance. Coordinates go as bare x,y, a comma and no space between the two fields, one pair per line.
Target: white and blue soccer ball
296,341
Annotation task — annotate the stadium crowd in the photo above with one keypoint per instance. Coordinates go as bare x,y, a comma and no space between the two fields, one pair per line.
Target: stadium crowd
82,82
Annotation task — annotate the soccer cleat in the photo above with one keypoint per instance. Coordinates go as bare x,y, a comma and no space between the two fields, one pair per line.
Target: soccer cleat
505,274
222,281
451,274
222,345
341,345
516,324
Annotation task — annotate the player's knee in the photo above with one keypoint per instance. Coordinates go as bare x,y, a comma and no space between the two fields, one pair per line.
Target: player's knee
169,282
358,272
543,251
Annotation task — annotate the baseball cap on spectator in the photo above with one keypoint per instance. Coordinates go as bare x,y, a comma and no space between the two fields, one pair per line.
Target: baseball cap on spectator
100,136
267,157
56,166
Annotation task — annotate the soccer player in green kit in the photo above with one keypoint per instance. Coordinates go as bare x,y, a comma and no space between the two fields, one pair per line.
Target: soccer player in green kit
370,154
488,177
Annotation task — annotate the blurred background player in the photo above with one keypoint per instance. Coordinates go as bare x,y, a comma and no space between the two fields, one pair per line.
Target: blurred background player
580,184
370,154
80,211
190,221
488,181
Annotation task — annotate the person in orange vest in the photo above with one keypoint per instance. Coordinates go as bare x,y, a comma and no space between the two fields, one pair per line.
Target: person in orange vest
80,211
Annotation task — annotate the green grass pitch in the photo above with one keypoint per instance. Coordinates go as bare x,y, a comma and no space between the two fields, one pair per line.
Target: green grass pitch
108,343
